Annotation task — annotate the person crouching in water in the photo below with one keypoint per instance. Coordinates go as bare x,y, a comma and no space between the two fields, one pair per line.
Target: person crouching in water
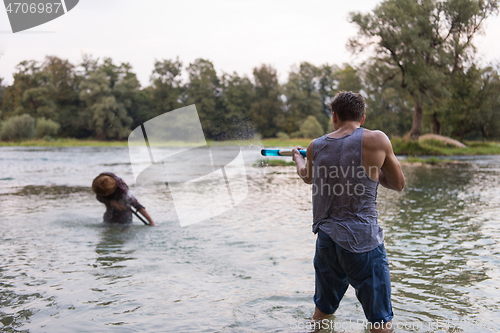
112,191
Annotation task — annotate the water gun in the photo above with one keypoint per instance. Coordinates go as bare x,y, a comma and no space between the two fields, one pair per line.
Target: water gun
280,152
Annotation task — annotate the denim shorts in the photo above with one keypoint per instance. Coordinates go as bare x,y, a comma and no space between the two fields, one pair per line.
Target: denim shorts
367,272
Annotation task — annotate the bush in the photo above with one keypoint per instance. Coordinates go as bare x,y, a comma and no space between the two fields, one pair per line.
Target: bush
18,128
311,128
46,128
282,136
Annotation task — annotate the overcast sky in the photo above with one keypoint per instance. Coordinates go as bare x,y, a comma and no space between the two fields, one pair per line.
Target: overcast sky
236,35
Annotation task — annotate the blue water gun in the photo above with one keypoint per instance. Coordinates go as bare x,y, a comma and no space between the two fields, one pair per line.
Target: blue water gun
280,152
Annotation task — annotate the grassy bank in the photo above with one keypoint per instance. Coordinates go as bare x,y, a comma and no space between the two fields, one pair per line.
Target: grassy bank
437,148
274,162
415,161
433,161
265,143
290,143
63,143
401,147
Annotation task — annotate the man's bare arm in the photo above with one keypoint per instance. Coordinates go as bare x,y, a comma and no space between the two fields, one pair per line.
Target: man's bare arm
390,175
304,166
146,215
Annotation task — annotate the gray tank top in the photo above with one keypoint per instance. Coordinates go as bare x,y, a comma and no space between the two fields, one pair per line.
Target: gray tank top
343,195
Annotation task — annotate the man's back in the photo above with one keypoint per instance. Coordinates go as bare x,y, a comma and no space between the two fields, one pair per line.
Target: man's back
344,196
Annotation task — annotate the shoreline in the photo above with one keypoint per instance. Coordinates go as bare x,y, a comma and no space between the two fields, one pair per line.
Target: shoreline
401,147
428,162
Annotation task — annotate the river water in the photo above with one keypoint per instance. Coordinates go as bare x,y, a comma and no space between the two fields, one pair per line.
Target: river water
247,270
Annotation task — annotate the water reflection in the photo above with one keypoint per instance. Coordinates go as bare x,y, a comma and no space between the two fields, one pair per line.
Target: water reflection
111,250
12,314
433,232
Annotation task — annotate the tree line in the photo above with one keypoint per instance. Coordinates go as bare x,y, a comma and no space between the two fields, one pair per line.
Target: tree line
421,76
104,100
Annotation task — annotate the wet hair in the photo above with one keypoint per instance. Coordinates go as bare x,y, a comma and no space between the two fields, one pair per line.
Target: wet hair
348,106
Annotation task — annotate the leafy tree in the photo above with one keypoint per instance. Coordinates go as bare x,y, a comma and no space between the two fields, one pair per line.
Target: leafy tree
423,41
142,108
326,85
106,91
167,88
2,93
266,112
204,90
303,98
66,96
127,91
30,93
347,79
474,102
389,107
488,121
238,95
333,79
388,111
311,128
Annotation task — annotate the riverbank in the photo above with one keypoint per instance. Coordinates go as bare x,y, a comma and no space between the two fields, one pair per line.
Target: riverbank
410,161
401,146
266,143
438,148
63,143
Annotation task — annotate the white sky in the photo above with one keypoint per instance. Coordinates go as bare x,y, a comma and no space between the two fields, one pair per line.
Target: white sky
236,35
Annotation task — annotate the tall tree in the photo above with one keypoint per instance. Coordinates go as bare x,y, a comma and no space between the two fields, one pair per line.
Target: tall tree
30,93
303,98
2,93
204,90
238,95
424,41
66,96
474,103
488,121
105,91
389,107
266,112
347,78
326,84
166,89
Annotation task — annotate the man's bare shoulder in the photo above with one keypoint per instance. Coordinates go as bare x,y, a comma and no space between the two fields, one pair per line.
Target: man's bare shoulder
375,138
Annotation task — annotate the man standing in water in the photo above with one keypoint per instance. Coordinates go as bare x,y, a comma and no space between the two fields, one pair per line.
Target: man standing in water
112,191
345,168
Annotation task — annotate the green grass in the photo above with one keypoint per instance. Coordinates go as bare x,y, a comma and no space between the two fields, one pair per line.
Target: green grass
273,162
266,143
438,148
290,143
62,143
401,146
431,160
